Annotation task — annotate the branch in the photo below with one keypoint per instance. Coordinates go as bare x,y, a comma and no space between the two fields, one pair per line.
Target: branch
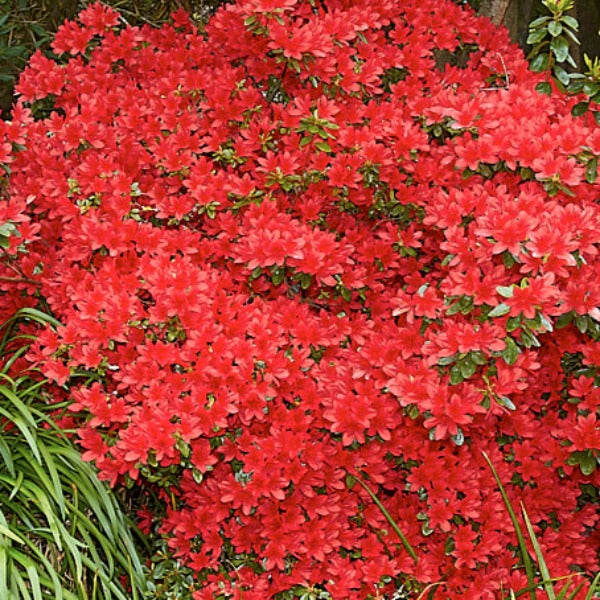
20,280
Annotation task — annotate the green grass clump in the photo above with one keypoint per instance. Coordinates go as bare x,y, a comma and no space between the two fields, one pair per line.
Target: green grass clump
63,534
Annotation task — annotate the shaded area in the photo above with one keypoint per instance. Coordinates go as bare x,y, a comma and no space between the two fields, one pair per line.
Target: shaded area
517,14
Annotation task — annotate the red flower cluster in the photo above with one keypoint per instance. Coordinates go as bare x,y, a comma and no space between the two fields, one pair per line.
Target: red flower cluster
309,244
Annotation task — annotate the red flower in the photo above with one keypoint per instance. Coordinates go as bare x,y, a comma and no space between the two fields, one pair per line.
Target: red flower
586,434
303,253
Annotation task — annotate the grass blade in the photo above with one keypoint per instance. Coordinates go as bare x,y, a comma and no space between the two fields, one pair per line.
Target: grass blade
574,593
6,455
64,535
594,587
513,517
4,530
390,520
540,557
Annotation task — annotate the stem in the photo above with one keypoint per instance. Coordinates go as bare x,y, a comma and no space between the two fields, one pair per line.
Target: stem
20,280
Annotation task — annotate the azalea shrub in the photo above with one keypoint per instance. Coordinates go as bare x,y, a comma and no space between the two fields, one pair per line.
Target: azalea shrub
311,250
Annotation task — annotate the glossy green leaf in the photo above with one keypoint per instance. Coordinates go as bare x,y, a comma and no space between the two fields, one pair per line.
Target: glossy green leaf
544,88
539,62
499,311
555,28
560,48
580,109
511,352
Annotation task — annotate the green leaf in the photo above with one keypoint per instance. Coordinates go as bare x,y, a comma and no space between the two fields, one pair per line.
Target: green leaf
539,21
323,146
455,375
580,109
570,22
506,291
513,323
508,259
590,88
555,28
572,62
575,85
535,37
38,316
544,88
453,309
499,311
7,228
561,75
421,291
585,459
467,368
563,592
26,431
506,402
447,259
588,464
278,276
466,303
413,412
9,534
573,37
540,62
511,352
459,438
446,360
581,323
528,339
560,48
58,507
478,358
564,320
546,323
591,171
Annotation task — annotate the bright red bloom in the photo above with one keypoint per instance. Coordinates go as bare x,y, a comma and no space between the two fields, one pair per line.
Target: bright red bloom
289,251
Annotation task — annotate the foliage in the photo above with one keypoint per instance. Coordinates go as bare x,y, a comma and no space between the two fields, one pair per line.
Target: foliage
552,38
63,535
303,268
